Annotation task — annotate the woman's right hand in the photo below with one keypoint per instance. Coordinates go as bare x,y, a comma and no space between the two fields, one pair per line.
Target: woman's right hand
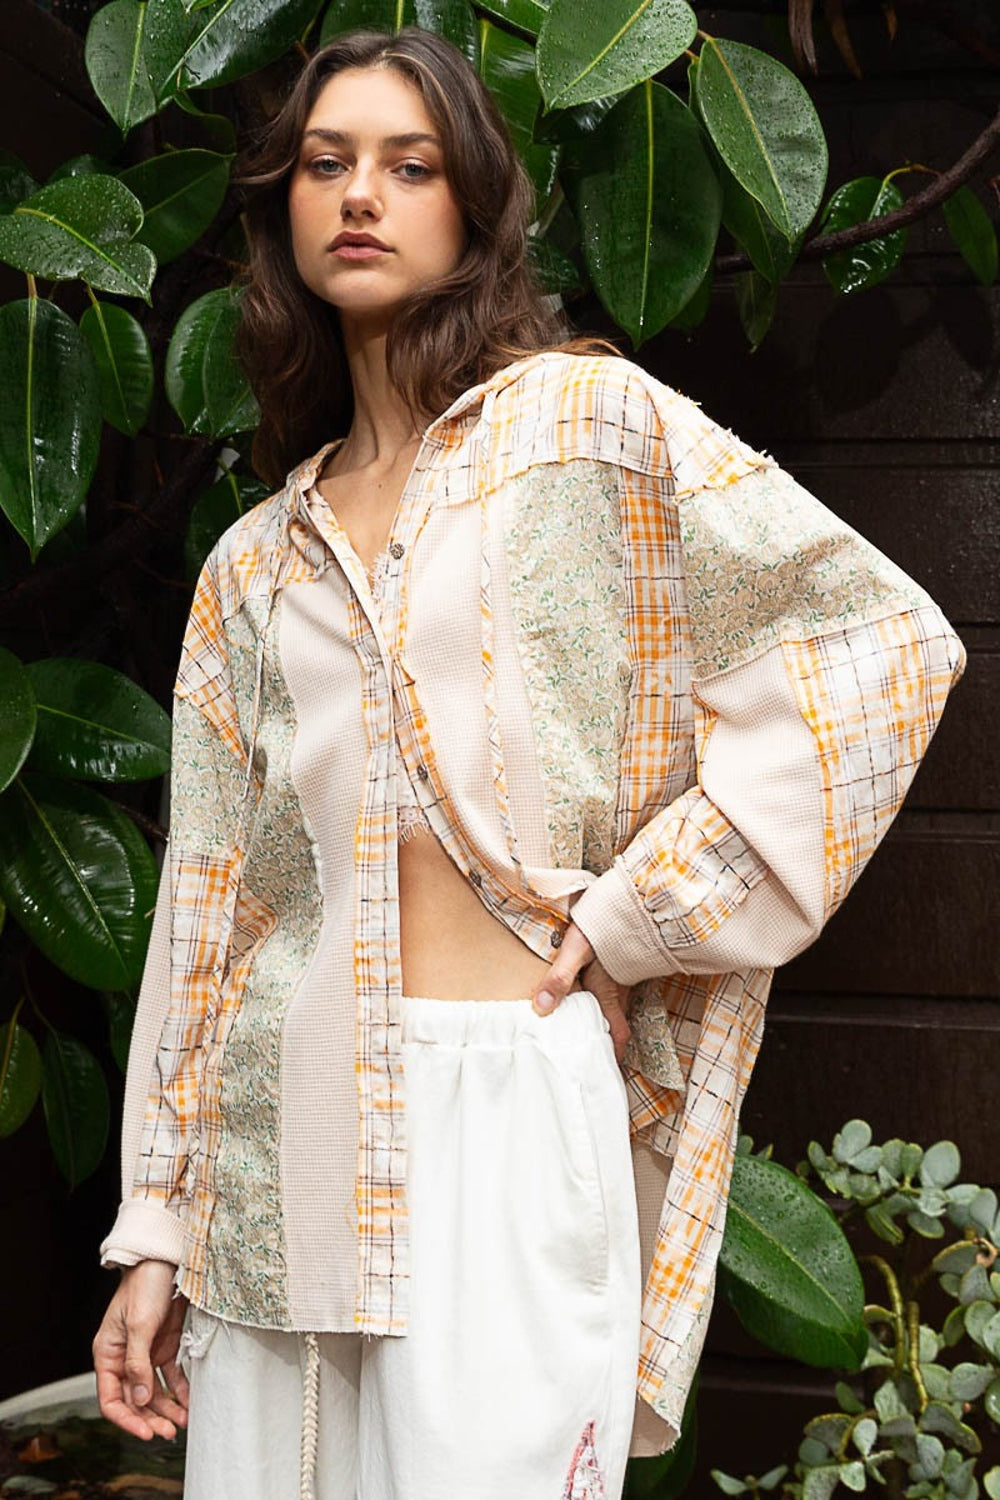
139,1337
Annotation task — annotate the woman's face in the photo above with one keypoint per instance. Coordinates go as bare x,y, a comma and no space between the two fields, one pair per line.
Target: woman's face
373,216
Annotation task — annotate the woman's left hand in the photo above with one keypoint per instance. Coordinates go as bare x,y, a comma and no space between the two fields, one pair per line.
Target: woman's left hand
577,960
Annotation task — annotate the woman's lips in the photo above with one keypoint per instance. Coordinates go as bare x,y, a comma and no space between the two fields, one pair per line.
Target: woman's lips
358,252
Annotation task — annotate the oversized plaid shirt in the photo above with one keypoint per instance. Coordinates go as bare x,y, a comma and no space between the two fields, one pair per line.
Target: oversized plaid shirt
630,667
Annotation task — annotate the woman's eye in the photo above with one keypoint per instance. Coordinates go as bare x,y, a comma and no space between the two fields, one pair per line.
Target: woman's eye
326,166
413,171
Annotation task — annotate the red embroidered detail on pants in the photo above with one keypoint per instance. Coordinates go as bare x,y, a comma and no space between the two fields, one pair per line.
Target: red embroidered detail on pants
584,1480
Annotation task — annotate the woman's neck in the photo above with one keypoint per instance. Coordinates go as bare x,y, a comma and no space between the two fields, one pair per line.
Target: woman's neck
383,424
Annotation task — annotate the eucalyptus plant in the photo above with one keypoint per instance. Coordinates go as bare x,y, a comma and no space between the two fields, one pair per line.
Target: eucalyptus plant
911,1425
656,150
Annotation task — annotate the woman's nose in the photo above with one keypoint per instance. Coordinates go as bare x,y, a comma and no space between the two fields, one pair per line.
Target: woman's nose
361,194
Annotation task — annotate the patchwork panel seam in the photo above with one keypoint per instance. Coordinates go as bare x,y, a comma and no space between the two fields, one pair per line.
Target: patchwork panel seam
584,1481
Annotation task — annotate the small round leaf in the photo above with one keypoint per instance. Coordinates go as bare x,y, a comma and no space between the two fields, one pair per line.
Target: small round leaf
859,202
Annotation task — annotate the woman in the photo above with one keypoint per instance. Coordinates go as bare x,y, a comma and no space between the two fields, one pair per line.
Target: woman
532,693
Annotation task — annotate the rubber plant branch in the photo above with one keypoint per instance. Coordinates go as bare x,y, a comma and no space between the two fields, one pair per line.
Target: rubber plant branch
942,187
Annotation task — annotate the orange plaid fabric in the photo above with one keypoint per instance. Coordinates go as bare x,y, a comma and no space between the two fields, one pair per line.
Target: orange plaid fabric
785,680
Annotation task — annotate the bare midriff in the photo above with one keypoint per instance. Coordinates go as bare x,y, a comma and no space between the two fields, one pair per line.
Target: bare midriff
452,947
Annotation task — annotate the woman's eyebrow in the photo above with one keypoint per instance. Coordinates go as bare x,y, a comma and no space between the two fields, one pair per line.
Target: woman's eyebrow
344,138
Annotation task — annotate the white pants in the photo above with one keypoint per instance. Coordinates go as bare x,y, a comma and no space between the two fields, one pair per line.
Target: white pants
516,1377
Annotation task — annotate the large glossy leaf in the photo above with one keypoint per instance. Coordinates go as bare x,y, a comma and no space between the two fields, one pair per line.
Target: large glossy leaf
76,1104
213,512
649,204
235,37
972,231
756,298
588,51
452,19
507,67
95,723
133,53
81,226
124,364
525,16
81,166
750,227
50,418
17,716
205,382
765,129
855,203
20,1076
79,879
788,1271
16,182
180,193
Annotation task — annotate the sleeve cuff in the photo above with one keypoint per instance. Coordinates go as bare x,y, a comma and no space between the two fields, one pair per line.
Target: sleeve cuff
612,918
144,1231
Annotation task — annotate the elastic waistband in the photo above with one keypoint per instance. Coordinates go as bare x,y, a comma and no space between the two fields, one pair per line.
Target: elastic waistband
499,1023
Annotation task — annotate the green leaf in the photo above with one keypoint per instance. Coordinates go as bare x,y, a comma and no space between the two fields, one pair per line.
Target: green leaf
121,1017
124,364
765,129
696,309
941,1164
587,52
852,1476
50,419
79,879
213,512
205,383
133,54
234,37
991,1481
852,1139
649,206
77,1108
820,1484
18,716
772,255
728,1484
978,1316
16,182
555,271
81,166
849,1399
939,1418
507,67
881,1222
969,1381
864,1435
20,1076
95,723
80,227
973,234
991,1402
525,16
756,298
181,193
453,19
788,1270
858,202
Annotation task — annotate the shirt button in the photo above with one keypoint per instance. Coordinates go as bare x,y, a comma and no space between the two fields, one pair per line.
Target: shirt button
423,773
396,550
555,938
475,878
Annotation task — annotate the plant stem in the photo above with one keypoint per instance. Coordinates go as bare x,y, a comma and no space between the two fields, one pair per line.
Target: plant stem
921,204
547,216
913,1352
32,285
896,1302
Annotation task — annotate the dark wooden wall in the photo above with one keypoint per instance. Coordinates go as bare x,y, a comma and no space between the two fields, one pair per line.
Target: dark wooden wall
887,405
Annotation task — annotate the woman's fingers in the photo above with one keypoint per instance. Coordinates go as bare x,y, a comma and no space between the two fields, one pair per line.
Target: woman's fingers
574,952
139,1333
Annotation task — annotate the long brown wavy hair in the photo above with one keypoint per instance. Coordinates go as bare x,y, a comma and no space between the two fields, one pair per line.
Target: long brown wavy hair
457,330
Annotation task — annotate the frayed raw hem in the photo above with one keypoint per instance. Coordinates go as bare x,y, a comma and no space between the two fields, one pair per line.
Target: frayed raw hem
584,1480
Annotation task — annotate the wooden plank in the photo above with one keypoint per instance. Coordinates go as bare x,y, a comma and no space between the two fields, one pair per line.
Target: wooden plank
962,767
922,1069
922,919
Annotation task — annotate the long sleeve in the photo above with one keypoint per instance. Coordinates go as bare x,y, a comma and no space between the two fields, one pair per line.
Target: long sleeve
819,673
178,999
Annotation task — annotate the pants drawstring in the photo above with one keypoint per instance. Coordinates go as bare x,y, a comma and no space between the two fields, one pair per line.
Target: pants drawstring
310,1419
